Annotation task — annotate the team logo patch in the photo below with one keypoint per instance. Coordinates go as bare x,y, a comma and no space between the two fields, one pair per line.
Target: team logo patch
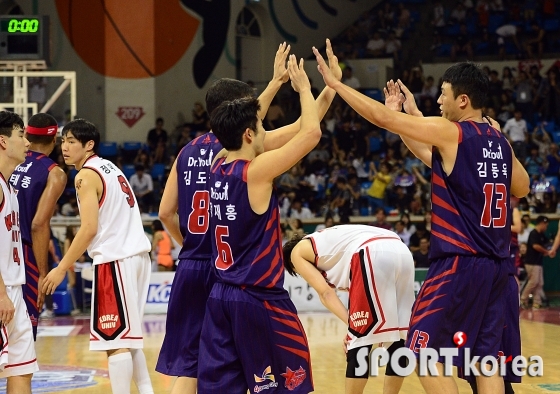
294,378
361,311
108,315
266,375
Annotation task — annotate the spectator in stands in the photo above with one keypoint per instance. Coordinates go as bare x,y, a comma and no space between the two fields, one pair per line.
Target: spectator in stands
408,225
298,211
420,256
536,250
70,208
428,107
161,247
380,180
200,117
417,236
185,137
462,45
496,5
393,46
524,94
541,139
529,10
340,197
494,90
142,158
157,141
289,181
438,22
275,116
143,187
526,228
381,219
508,80
429,89
376,45
329,222
534,164
349,79
504,32
293,227
401,232
535,41
506,109
483,11
355,191
550,93
515,130
553,161
458,15
404,16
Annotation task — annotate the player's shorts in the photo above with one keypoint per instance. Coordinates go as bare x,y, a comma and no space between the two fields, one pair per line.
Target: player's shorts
254,344
381,293
462,293
191,287
120,290
30,287
17,354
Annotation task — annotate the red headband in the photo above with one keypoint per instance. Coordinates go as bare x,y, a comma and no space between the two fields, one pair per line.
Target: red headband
49,130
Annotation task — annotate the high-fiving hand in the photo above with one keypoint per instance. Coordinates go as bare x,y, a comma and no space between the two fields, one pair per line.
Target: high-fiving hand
393,96
280,68
330,76
300,81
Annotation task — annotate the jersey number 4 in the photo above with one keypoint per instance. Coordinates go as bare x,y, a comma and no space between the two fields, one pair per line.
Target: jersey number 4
494,195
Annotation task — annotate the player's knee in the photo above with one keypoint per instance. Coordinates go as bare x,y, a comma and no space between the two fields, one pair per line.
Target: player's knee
357,362
403,361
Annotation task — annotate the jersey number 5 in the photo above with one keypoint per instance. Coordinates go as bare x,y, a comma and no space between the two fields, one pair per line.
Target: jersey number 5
494,193
125,187
225,256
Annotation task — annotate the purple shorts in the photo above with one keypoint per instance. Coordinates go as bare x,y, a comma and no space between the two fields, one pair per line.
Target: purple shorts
30,287
252,344
187,304
461,293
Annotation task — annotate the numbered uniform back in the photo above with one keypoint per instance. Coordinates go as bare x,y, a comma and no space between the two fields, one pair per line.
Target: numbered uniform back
11,256
120,232
470,206
193,168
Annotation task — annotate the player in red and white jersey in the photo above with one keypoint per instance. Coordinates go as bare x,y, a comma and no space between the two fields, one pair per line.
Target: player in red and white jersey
17,351
377,269
112,232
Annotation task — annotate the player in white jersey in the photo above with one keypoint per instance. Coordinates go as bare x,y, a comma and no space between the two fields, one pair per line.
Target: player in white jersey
17,351
111,230
377,269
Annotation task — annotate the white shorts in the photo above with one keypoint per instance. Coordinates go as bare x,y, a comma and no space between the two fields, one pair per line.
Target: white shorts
381,293
17,356
120,289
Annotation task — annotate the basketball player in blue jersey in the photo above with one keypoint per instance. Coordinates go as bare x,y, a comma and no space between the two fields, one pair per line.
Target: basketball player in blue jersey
186,218
39,182
395,96
257,340
473,173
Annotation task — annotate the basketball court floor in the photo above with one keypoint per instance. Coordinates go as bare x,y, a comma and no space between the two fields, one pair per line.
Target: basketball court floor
67,366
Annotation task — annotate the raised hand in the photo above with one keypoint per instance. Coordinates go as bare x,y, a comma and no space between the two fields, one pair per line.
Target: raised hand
280,68
328,76
300,81
409,102
393,96
333,62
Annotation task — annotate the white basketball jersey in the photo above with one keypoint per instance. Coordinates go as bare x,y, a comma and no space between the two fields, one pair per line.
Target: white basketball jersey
120,233
12,265
335,246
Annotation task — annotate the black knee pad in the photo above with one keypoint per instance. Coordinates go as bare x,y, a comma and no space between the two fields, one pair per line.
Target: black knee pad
352,362
403,361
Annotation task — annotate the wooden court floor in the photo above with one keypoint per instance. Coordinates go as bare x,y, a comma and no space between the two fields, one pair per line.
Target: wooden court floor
69,367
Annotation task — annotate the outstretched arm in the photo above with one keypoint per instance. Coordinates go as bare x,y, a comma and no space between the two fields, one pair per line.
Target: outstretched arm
280,75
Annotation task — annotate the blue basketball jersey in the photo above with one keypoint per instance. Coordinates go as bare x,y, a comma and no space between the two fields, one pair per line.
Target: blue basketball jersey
470,207
246,247
30,180
193,167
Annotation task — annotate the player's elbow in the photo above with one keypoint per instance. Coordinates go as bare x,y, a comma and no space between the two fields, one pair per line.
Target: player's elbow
314,134
38,226
165,214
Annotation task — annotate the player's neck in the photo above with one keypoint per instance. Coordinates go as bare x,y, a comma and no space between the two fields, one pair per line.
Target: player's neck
245,153
81,163
45,150
474,115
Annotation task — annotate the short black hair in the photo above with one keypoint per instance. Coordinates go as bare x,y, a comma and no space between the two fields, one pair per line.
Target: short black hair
287,253
156,224
226,89
467,78
8,120
230,120
139,167
41,120
84,131
159,120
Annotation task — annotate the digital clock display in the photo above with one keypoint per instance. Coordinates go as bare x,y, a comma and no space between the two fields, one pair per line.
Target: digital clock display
19,25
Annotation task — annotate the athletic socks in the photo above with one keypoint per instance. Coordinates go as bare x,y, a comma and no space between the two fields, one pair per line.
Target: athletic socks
120,372
141,375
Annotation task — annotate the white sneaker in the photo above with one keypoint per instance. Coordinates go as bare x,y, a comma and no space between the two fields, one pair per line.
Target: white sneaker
46,314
